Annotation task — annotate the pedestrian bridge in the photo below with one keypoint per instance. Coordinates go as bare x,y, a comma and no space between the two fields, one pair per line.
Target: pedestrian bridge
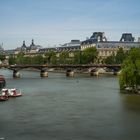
69,68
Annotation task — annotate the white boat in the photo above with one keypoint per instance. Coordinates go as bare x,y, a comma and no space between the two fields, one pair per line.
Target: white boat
12,92
4,95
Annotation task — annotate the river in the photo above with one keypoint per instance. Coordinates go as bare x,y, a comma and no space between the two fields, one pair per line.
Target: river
61,108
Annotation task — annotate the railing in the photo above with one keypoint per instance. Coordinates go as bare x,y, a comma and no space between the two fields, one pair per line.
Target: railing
60,66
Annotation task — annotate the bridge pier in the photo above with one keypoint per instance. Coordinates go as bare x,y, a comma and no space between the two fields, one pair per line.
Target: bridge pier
70,73
16,74
94,72
115,71
43,73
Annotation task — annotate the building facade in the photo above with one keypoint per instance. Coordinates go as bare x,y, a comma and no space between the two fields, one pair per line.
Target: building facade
107,48
104,47
70,47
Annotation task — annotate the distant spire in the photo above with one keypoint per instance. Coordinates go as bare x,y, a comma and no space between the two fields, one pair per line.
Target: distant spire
23,47
32,43
23,44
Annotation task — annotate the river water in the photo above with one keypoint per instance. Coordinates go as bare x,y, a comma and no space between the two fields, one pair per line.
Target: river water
61,108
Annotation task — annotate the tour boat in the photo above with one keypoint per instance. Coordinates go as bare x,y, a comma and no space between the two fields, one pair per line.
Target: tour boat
3,98
4,95
12,92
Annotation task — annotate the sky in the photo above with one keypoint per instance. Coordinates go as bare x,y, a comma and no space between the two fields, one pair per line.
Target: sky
54,22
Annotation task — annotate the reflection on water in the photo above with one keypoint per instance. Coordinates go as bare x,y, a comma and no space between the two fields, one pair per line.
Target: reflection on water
60,108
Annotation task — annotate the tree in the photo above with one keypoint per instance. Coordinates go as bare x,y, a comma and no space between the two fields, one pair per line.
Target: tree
38,59
51,57
77,57
63,57
19,58
110,59
2,57
120,56
130,75
12,60
89,55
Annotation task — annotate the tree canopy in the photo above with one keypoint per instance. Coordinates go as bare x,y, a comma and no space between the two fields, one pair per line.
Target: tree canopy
89,55
118,58
130,75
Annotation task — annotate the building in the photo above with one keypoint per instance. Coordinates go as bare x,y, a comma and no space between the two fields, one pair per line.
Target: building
107,48
70,47
104,47
30,50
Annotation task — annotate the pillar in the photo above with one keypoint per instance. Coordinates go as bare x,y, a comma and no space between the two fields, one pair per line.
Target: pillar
94,73
16,74
43,73
115,71
70,73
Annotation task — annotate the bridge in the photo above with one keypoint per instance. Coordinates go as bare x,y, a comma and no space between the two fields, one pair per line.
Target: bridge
68,67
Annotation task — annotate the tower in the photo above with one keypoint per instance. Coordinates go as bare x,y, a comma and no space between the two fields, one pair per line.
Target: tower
24,44
127,37
32,44
23,47
98,36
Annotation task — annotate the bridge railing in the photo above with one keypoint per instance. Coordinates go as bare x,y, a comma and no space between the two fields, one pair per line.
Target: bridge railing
61,66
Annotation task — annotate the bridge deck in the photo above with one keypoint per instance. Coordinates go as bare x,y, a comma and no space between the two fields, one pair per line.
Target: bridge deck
60,66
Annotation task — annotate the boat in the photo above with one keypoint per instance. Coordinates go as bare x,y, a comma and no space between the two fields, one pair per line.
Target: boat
4,95
2,81
12,92
3,98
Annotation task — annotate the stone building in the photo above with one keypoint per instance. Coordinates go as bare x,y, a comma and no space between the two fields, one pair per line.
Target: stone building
70,47
107,48
30,50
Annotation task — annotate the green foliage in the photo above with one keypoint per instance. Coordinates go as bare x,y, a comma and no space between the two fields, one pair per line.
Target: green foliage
89,55
53,59
50,57
77,57
2,57
130,74
118,59
110,59
120,56
21,59
38,59
64,57
12,60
